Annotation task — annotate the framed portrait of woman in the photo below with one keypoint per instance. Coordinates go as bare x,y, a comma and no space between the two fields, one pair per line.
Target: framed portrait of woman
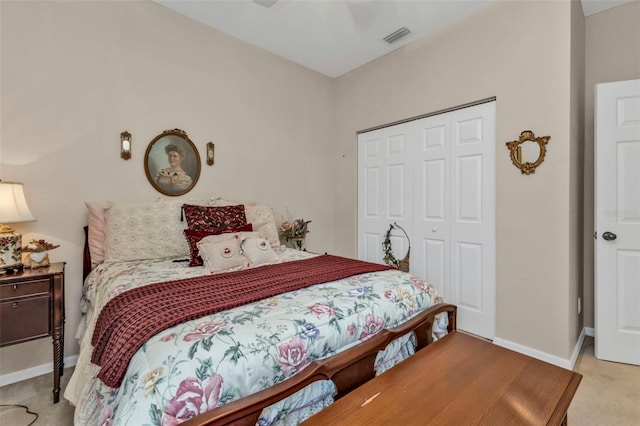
172,163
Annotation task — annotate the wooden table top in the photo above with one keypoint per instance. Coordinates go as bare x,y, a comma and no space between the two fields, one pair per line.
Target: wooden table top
459,380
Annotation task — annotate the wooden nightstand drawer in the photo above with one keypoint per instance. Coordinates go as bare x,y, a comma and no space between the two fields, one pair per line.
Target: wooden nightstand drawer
24,319
32,307
27,288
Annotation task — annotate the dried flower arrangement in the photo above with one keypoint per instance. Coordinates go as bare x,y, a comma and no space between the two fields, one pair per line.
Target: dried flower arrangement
294,232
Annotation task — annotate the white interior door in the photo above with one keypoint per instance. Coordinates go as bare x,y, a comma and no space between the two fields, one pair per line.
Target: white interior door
617,246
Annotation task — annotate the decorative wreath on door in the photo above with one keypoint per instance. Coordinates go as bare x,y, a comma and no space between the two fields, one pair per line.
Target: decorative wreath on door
389,258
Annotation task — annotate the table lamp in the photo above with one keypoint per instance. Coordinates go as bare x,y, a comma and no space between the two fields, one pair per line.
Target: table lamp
13,209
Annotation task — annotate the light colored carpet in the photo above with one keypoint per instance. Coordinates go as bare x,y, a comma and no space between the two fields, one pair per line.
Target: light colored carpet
37,394
609,395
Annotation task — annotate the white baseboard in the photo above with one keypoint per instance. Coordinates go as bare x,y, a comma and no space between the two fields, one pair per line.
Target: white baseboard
590,331
543,356
39,370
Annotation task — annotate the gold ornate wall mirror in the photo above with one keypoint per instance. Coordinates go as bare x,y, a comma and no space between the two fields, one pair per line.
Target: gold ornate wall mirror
528,152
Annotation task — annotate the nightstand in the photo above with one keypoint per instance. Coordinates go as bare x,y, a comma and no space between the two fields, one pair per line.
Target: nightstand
32,307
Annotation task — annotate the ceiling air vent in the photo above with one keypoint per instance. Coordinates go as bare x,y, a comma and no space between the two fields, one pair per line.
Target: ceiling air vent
397,34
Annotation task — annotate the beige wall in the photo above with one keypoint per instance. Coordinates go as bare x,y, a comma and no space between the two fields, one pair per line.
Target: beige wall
612,54
76,74
529,72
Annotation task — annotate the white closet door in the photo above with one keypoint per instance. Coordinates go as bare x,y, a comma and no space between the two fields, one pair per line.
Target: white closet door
473,264
430,246
385,189
435,177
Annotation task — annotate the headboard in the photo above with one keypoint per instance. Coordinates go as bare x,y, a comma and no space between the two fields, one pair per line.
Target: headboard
86,255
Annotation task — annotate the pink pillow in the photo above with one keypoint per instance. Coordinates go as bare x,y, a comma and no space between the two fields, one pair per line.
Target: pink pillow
193,237
95,236
214,219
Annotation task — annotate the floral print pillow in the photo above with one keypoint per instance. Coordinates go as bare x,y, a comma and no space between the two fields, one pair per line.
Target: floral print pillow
214,219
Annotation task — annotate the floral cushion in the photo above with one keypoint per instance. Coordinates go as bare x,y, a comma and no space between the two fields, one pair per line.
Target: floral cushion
258,251
212,218
223,255
193,237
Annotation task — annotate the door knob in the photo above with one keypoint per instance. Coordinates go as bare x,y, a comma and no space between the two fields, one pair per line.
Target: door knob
609,236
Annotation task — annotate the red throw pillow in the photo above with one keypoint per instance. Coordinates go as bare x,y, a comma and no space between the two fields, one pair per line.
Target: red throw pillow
214,219
194,236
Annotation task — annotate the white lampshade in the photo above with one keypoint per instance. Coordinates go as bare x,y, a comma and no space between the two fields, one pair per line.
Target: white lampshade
13,205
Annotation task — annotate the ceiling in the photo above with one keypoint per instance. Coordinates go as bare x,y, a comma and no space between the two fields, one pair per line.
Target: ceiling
334,37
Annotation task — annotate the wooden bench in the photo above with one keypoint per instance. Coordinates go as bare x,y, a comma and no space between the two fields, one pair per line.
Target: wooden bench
459,380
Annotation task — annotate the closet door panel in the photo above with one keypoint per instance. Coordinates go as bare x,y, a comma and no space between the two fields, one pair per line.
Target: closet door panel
372,195
434,261
371,191
468,190
470,268
385,189
431,256
473,218
399,206
396,207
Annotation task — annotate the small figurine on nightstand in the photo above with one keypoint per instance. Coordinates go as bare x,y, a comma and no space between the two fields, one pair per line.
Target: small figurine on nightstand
35,254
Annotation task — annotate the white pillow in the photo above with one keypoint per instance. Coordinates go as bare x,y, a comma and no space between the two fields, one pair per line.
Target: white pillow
144,231
258,251
222,256
261,217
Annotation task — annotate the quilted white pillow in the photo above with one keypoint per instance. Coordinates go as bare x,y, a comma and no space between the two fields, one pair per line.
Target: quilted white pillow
258,251
144,231
222,256
261,217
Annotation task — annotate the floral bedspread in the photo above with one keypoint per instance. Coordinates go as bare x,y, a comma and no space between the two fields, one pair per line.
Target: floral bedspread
201,364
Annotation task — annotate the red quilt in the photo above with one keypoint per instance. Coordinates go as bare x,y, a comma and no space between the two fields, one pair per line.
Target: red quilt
133,317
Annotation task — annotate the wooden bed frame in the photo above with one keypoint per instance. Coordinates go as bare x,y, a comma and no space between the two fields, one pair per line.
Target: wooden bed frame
348,370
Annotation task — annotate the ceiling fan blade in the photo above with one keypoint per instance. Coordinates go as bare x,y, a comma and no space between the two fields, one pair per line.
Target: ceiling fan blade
362,12
265,3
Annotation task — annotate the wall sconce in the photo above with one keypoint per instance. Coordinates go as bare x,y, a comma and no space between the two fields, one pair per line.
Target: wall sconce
125,145
210,153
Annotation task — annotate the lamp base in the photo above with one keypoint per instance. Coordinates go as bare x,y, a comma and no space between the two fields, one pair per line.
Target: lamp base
11,252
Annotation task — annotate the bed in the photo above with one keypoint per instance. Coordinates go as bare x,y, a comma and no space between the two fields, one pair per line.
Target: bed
193,305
